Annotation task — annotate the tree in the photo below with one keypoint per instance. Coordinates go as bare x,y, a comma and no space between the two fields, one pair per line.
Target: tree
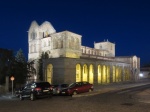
20,68
20,56
43,56
16,66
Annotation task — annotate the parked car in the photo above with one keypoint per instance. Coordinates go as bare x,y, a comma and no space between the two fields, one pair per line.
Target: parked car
58,88
18,91
78,87
36,89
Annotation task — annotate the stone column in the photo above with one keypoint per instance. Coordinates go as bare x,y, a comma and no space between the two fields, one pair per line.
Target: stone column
95,74
111,73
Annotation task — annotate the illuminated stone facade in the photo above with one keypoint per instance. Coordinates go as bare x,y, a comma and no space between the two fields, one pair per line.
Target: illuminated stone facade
70,61
45,39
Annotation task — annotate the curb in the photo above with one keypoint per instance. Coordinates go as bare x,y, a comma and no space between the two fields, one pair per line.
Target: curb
92,93
98,91
8,96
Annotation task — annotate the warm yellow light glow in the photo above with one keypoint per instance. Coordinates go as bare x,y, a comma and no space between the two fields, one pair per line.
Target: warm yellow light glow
99,75
72,55
78,73
85,72
104,75
49,73
91,76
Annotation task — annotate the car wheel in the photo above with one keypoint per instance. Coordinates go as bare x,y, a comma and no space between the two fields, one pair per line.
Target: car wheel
20,97
75,93
32,97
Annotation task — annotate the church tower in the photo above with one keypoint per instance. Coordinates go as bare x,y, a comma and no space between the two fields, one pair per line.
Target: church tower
39,38
44,39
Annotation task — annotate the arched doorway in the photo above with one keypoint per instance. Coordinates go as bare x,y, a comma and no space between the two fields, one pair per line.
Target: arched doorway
91,72
49,73
104,74
99,75
85,73
78,73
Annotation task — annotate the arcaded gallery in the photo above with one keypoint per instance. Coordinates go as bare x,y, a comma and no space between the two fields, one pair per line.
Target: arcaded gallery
69,61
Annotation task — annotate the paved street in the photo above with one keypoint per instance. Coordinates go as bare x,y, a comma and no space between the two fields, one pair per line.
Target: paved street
102,102
89,102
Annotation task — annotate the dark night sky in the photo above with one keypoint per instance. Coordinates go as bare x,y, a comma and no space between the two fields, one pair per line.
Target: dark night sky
123,22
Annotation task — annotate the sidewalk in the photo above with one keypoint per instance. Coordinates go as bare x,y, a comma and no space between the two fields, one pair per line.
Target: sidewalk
7,96
143,96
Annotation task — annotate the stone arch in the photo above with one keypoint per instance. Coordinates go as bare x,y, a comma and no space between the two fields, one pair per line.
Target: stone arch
49,73
104,74
134,62
85,73
99,74
78,73
91,74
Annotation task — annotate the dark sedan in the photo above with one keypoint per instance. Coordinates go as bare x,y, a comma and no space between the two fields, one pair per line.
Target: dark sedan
58,88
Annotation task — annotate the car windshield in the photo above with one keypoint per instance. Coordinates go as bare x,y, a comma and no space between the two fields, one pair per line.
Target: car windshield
72,85
64,85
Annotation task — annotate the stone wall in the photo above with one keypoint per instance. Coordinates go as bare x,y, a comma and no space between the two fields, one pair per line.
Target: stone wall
64,69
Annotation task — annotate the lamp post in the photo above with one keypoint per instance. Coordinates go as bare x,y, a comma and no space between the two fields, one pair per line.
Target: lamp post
12,79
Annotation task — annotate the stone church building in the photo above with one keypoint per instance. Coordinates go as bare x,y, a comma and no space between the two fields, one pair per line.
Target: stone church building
70,61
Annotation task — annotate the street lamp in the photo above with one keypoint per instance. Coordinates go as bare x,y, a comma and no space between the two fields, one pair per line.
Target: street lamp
141,75
12,79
